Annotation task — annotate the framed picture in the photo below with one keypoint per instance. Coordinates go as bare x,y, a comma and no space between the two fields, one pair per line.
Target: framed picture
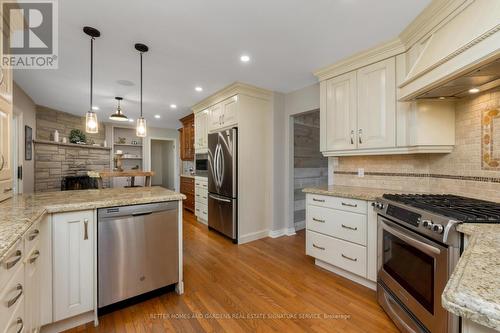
28,143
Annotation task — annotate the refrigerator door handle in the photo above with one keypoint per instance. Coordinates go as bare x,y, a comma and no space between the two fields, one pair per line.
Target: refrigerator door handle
216,166
219,199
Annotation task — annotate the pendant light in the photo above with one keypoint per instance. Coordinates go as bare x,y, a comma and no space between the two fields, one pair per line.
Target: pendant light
91,125
141,130
118,115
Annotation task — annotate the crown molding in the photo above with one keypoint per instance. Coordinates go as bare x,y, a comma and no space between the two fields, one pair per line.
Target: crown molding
361,59
236,88
436,14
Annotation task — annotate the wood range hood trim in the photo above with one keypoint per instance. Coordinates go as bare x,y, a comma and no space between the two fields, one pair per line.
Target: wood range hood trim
465,40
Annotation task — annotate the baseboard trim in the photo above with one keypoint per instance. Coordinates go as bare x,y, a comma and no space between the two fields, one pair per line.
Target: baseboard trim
69,323
348,275
277,233
250,237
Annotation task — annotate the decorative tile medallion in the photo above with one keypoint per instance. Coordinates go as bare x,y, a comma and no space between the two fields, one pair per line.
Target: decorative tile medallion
490,139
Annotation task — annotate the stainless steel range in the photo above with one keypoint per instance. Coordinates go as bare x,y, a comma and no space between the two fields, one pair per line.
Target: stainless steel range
418,248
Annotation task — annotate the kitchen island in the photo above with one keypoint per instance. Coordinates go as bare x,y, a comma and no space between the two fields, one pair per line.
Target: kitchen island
48,246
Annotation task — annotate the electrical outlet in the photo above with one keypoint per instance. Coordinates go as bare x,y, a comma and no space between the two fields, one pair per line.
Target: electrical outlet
361,172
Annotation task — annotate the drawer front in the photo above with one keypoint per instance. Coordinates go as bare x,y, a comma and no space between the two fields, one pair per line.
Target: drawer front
349,205
17,322
12,295
31,237
337,223
201,183
13,260
201,195
5,189
348,256
201,211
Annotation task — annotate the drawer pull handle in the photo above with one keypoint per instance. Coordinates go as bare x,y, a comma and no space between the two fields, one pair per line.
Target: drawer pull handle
205,213
348,227
34,257
19,321
318,247
85,229
349,205
8,189
349,258
34,234
318,220
14,299
318,200
18,254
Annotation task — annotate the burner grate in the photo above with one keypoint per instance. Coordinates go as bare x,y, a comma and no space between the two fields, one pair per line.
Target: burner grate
452,206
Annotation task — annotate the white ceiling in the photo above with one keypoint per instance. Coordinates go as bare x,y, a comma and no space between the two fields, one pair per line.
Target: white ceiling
199,42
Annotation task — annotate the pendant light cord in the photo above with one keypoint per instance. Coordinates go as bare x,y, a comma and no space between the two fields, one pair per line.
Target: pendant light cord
91,72
141,84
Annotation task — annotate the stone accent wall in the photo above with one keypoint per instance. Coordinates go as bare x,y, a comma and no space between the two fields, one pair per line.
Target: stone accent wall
310,166
459,172
55,161
48,120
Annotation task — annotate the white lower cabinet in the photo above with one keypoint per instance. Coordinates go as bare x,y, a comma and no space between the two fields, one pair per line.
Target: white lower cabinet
201,198
73,263
341,234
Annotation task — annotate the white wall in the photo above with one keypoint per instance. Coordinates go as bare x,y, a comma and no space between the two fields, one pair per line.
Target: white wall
299,101
23,104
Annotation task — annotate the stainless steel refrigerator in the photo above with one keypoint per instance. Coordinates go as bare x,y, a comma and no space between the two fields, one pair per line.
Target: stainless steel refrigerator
223,182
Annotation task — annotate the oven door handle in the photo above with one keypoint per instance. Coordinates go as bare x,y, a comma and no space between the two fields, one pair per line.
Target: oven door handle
429,249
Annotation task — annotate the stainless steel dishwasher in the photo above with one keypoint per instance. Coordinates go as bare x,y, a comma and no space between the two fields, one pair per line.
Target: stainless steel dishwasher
138,250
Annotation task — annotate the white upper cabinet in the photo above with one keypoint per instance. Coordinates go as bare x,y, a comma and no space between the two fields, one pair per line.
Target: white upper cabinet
73,263
201,131
377,105
341,115
224,114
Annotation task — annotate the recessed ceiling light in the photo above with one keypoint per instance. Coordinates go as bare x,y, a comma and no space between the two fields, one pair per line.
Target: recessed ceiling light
130,120
198,89
95,108
157,116
474,90
173,106
245,58
442,97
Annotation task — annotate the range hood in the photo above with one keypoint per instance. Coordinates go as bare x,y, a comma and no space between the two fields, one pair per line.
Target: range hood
460,54
483,78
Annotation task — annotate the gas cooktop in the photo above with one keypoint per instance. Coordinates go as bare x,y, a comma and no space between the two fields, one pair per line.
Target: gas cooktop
462,209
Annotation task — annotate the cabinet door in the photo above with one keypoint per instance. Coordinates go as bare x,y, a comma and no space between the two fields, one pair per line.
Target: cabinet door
181,141
5,145
73,263
377,105
229,112
341,112
215,117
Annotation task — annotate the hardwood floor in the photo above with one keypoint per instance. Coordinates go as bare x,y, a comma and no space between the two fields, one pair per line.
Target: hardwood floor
270,284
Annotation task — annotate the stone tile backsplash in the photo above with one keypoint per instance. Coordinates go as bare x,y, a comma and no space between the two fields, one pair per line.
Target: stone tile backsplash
460,172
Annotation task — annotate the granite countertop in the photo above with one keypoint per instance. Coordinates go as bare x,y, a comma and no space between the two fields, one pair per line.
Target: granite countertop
185,175
19,213
473,290
351,192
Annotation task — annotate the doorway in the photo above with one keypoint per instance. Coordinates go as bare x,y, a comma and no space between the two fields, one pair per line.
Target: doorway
162,154
310,167
17,152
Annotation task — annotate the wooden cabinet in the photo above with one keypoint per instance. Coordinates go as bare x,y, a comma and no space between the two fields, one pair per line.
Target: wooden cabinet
73,263
187,138
187,188
376,91
223,114
201,131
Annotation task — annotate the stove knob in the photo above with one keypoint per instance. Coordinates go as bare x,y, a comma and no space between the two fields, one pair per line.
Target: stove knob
427,224
438,228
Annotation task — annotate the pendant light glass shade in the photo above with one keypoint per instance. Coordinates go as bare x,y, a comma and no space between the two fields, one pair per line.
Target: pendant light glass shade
91,125
118,115
141,130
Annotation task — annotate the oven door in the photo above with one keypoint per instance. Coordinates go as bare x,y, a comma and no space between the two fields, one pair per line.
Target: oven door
415,271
